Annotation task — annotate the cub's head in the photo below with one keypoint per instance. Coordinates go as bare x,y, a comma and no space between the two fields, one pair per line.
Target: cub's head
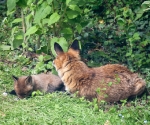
23,86
64,58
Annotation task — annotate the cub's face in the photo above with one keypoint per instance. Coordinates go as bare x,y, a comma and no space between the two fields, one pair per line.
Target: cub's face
23,86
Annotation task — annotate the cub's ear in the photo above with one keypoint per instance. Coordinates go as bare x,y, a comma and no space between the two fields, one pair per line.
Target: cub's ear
15,78
29,80
58,49
75,45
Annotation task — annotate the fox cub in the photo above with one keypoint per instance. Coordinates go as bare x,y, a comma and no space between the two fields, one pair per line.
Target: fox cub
25,85
111,83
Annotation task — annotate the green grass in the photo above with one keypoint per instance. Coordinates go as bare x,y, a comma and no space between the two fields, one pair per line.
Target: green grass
60,108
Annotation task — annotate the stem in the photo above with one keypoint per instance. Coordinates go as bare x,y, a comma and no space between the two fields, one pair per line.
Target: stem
38,42
54,27
23,29
61,19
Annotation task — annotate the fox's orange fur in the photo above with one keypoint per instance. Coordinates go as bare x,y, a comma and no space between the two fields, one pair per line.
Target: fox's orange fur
25,85
112,82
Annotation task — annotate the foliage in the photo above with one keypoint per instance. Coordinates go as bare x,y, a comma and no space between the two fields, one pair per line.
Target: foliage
40,20
118,35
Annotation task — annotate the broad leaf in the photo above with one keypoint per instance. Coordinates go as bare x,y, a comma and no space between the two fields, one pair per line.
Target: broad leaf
75,8
41,58
49,1
28,19
139,14
67,31
11,4
18,40
42,12
72,14
53,18
67,2
5,47
17,43
42,49
31,30
136,36
79,28
17,20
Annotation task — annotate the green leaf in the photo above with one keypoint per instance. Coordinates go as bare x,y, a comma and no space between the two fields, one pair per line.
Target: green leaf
22,3
49,1
43,11
86,10
67,2
110,83
42,49
121,21
61,41
47,57
5,47
28,19
129,53
53,18
31,30
139,14
72,14
45,21
75,8
98,90
49,65
136,36
79,28
41,58
17,20
67,31
11,4
18,41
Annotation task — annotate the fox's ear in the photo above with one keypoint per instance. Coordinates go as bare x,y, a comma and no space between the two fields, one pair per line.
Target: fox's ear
29,80
58,49
15,78
74,48
75,45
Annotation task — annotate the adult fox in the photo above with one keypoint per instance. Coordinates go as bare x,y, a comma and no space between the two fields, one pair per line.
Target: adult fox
25,85
111,83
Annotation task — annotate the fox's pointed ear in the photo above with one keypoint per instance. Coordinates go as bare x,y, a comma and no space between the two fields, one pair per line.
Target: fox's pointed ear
29,80
74,48
75,45
58,49
15,78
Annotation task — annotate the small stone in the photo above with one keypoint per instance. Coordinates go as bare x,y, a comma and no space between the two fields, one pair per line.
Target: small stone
16,99
4,93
